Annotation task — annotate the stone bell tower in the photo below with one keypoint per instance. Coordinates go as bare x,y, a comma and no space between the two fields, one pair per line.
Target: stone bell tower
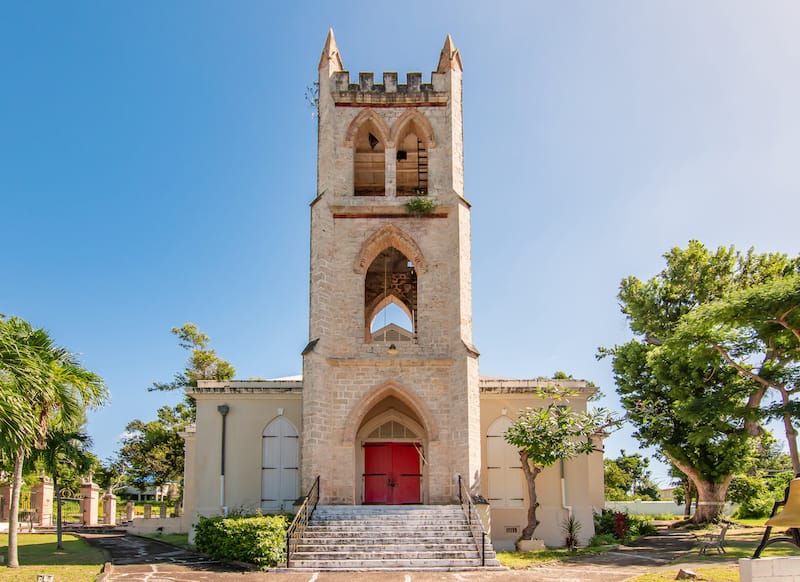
390,409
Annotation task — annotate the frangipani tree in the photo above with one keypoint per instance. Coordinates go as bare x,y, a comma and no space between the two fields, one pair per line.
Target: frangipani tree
547,435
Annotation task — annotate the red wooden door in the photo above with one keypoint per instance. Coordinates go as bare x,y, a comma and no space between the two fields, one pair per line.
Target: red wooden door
377,472
391,473
405,468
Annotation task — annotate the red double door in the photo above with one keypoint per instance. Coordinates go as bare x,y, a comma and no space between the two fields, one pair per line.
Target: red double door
391,473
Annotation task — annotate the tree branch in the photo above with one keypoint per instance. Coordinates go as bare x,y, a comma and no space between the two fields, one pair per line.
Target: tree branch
744,371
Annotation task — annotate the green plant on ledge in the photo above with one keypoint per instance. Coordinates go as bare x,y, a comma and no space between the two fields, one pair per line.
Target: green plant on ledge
421,205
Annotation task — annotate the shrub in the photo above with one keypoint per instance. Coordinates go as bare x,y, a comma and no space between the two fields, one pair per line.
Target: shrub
259,540
622,526
421,205
571,528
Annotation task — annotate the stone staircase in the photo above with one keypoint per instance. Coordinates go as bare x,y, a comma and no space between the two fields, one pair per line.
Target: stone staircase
390,537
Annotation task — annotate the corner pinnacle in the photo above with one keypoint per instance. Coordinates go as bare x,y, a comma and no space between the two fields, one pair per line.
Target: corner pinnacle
450,58
330,53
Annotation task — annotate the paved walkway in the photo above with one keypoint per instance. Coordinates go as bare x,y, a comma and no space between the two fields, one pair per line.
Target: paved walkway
137,559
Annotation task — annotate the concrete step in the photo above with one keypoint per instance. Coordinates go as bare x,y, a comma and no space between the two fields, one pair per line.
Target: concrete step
389,538
389,565
406,529
387,547
386,554
322,541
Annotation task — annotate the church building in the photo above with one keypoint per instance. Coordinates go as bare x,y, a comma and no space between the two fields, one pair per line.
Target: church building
391,408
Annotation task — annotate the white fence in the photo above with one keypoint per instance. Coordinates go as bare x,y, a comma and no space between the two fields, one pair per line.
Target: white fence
656,507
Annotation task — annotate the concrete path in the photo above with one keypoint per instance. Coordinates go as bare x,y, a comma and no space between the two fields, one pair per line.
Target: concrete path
137,559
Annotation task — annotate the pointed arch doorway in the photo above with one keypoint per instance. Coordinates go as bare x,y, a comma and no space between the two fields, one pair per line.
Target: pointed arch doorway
391,456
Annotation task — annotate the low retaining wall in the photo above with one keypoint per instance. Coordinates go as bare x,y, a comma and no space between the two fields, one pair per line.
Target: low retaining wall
141,525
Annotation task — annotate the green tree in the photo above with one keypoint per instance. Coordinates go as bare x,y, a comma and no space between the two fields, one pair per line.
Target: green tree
617,482
152,452
203,364
628,477
683,397
759,324
48,389
544,436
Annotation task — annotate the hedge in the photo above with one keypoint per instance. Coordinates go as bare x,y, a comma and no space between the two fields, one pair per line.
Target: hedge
259,540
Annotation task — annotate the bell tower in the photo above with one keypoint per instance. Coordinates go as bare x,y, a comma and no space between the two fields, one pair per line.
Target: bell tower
390,375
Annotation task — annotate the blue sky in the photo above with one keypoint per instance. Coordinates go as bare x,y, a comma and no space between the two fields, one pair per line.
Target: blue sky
157,160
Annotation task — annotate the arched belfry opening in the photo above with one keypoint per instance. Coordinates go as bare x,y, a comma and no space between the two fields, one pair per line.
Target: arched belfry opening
369,161
390,298
412,163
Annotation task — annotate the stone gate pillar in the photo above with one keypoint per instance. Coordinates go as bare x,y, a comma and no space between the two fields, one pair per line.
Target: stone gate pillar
42,501
90,495
110,508
5,501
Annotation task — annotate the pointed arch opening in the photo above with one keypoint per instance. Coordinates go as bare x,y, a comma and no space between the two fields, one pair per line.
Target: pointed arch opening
413,136
390,298
412,165
369,160
391,430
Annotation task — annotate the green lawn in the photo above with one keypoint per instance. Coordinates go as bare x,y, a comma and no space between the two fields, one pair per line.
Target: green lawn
77,562
741,542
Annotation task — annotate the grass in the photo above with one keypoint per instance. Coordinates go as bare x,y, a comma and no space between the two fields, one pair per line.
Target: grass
77,562
740,542
523,560
180,540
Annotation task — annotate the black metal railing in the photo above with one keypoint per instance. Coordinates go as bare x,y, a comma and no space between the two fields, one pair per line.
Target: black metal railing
300,521
473,519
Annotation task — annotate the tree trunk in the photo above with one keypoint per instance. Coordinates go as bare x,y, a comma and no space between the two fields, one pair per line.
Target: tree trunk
530,479
791,434
710,495
687,498
13,512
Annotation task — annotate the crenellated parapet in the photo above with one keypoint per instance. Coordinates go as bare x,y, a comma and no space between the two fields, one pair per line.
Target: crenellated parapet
390,92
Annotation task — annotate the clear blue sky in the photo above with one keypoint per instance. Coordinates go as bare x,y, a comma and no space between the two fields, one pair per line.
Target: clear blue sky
157,160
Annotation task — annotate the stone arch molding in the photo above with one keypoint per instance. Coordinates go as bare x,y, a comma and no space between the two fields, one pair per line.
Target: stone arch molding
385,237
378,393
390,136
379,124
420,122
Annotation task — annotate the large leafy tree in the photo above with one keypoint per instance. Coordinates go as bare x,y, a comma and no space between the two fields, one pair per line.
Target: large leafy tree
756,331
47,388
689,408
682,396
545,436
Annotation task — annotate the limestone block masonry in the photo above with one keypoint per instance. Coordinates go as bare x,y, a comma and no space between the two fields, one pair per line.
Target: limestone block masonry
367,134
782,569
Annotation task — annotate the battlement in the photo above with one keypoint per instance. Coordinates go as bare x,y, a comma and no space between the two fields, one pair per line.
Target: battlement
390,91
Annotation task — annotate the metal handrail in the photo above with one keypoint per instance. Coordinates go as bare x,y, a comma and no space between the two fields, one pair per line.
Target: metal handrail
300,521
471,512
